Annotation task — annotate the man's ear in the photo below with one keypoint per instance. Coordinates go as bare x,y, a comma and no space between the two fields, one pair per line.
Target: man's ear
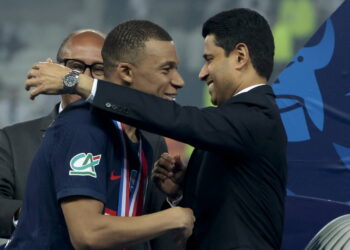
241,55
124,71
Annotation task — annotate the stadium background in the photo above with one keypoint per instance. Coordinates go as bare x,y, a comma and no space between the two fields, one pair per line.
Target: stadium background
31,30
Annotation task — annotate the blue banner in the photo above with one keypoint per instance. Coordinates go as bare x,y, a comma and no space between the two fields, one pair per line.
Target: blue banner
313,94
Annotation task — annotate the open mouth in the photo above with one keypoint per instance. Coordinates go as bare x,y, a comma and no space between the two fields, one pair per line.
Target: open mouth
210,86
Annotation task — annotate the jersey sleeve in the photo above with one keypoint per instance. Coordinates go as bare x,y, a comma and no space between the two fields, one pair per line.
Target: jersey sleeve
78,164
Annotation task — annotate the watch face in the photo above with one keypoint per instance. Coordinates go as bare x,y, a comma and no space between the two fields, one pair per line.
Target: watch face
71,79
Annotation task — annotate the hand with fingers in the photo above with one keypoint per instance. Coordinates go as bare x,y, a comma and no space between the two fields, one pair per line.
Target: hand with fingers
45,78
185,221
168,174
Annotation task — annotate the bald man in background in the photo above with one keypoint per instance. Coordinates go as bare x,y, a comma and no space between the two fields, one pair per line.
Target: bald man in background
81,50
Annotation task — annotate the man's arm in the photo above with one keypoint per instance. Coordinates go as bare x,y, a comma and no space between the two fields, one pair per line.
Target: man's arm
89,229
8,205
47,78
232,129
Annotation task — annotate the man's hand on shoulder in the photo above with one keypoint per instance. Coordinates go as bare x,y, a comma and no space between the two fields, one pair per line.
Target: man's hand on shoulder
47,78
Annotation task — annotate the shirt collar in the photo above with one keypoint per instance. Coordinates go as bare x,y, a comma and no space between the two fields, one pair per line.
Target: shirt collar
249,88
60,108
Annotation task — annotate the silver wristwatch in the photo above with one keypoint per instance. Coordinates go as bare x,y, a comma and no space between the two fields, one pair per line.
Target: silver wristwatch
70,81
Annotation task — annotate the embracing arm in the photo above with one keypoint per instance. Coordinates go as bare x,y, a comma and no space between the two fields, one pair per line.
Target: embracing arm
209,128
90,229
228,128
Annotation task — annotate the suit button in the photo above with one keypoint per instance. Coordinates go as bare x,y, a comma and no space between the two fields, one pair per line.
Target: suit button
108,105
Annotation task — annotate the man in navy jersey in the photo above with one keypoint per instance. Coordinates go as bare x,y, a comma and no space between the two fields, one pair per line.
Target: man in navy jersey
90,168
80,50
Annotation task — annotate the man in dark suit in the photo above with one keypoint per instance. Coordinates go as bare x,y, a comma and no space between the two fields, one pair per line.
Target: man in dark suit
236,177
18,144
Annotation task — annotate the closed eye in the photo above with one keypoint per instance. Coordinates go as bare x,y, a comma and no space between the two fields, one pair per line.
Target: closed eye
168,66
207,58
165,72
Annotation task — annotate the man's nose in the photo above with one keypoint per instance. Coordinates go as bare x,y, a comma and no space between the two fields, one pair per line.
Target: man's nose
203,73
88,72
178,81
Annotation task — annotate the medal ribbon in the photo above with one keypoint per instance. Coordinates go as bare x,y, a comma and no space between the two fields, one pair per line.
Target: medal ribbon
133,183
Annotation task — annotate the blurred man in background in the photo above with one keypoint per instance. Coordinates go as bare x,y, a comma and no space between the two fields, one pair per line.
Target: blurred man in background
81,50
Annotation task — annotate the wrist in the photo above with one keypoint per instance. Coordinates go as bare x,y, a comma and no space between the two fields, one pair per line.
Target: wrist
175,218
70,81
84,86
169,218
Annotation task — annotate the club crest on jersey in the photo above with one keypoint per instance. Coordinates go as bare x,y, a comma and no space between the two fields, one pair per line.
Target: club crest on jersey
84,164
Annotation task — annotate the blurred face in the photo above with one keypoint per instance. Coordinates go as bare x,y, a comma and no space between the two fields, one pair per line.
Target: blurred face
155,71
81,50
84,49
217,72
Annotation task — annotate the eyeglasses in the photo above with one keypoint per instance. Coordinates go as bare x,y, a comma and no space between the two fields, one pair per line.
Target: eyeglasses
96,69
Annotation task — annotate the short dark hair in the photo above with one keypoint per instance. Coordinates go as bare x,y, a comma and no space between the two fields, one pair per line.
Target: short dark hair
248,27
76,32
124,42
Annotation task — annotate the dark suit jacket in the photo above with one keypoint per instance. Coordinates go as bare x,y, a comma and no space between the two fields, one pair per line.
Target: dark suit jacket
18,145
236,177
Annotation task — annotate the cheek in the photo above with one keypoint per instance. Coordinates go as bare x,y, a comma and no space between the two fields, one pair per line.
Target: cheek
144,85
211,69
162,82
158,86
214,71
